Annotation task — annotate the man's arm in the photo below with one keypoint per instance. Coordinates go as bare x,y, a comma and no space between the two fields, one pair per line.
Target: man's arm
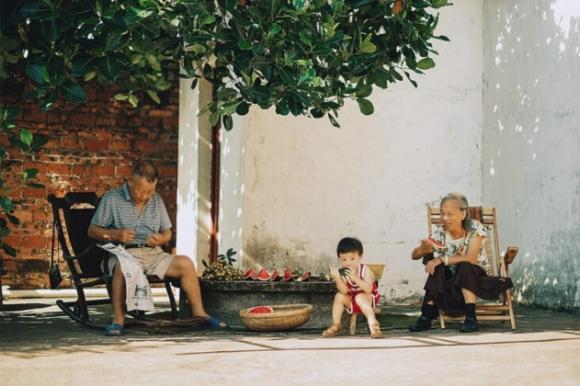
158,239
104,234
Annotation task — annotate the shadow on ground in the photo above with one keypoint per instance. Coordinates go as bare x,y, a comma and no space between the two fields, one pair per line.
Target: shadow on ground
30,327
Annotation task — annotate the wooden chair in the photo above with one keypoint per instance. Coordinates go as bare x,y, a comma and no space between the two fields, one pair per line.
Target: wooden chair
497,265
72,215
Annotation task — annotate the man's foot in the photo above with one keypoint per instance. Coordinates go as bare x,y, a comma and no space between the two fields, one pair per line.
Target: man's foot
470,325
115,329
375,330
211,322
423,324
333,330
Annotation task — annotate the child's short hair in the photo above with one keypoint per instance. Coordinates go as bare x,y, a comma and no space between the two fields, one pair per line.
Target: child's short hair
349,244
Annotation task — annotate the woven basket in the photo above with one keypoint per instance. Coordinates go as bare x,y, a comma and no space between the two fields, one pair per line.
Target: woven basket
285,317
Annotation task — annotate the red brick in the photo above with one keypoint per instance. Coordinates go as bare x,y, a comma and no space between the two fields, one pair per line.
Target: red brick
59,168
145,146
96,145
34,242
119,145
28,192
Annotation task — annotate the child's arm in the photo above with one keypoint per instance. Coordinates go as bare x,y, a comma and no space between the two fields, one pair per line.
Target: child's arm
340,283
366,283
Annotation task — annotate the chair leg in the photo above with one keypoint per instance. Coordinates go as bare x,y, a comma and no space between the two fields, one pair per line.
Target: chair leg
508,298
441,319
352,324
174,313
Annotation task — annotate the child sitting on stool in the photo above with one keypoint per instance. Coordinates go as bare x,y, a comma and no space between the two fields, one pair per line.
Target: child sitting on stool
357,288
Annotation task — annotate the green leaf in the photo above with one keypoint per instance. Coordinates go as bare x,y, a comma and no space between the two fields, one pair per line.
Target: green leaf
133,100
35,185
333,121
38,73
439,3
90,75
30,173
121,97
364,91
365,106
13,219
228,122
154,96
26,136
425,64
242,108
108,69
6,204
366,46
8,249
74,93
153,61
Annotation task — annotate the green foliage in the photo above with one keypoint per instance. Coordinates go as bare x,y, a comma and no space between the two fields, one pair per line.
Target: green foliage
303,57
26,142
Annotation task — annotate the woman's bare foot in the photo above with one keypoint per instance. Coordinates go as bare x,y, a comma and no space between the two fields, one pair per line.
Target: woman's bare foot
333,330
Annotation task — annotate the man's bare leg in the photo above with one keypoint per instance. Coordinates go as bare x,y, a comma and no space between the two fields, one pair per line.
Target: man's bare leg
182,268
118,295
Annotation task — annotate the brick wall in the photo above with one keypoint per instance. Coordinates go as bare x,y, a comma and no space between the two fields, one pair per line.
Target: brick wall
91,148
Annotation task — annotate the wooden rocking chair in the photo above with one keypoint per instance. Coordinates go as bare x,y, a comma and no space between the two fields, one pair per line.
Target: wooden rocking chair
497,265
72,215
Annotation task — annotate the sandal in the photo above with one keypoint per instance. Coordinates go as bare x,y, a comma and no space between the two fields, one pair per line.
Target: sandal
333,330
375,330
115,329
214,323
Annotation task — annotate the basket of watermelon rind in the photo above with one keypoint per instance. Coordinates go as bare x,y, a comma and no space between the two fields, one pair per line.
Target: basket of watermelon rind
282,317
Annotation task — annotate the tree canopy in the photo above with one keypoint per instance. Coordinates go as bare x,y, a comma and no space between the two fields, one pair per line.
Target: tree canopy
305,57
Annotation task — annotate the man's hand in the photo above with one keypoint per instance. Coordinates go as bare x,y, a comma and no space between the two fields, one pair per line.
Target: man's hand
155,240
431,265
124,235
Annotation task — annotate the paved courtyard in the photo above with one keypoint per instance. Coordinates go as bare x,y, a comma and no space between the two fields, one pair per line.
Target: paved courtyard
41,346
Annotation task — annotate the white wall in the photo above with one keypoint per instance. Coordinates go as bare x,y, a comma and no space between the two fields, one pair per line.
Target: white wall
532,142
193,178
307,184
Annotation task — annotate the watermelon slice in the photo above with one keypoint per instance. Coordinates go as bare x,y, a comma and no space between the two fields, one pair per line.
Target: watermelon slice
263,275
250,274
261,310
275,276
288,275
436,244
305,276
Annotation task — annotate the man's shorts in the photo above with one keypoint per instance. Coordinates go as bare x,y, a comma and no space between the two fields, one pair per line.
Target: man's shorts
153,260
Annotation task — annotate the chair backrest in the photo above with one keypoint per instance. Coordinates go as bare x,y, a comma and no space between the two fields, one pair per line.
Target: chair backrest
486,216
77,209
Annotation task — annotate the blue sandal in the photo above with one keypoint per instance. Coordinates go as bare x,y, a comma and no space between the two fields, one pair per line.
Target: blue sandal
213,323
115,329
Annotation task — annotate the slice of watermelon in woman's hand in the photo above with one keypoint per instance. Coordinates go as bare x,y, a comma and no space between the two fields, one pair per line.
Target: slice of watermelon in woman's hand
436,244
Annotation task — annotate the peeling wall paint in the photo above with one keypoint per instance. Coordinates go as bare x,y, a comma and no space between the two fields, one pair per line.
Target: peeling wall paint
531,157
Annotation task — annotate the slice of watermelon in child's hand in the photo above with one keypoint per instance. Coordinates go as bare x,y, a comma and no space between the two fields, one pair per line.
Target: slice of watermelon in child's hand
436,244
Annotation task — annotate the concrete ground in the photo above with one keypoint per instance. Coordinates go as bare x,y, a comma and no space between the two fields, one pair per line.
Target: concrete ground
41,346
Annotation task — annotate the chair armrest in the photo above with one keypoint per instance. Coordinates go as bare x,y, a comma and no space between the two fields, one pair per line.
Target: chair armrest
510,255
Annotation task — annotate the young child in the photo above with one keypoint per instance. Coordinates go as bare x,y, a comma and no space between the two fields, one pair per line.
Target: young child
357,288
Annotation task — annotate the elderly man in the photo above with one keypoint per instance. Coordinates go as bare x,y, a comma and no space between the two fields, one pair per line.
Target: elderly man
135,215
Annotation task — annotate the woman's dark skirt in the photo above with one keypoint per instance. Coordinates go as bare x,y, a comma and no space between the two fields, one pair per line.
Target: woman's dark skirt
444,286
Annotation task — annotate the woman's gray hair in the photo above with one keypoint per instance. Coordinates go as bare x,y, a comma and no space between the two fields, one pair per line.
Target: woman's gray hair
463,205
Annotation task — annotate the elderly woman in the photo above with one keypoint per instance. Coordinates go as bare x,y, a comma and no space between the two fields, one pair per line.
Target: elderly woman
455,264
